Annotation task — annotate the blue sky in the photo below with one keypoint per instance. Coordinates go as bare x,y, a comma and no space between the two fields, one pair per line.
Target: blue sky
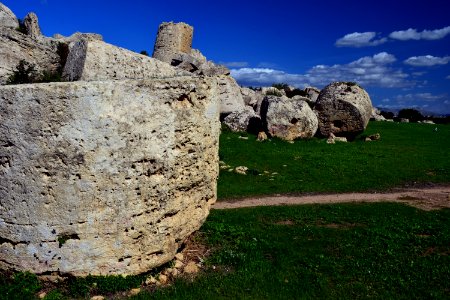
398,50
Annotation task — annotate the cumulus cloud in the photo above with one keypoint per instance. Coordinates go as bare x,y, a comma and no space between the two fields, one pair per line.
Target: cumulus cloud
360,39
367,71
427,97
427,61
436,103
413,34
267,76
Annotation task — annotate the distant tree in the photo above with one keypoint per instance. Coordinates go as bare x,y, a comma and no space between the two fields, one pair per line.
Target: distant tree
24,73
410,113
144,52
387,114
280,86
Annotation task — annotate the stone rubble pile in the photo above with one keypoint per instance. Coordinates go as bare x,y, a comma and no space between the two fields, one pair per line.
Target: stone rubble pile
111,170
341,108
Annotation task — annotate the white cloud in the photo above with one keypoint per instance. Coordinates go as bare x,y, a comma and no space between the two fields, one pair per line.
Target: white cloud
427,61
266,77
235,64
427,97
436,103
360,39
367,71
413,34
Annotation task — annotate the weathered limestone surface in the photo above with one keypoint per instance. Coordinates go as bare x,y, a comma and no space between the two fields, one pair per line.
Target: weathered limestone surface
78,36
251,97
91,60
105,177
288,119
8,18
31,24
16,46
172,39
313,94
344,109
245,120
230,95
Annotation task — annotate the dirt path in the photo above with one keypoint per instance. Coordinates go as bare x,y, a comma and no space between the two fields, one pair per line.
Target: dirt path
423,198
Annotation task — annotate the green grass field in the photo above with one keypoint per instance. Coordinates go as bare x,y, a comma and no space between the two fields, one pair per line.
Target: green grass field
406,154
341,251
344,251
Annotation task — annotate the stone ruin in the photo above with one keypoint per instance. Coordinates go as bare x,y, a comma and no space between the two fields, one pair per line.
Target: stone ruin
173,39
108,172
341,109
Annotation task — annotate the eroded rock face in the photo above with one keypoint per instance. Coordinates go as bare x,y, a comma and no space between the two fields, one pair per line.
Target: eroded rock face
344,109
7,18
288,119
105,177
31,24
91,60
16,46
230,95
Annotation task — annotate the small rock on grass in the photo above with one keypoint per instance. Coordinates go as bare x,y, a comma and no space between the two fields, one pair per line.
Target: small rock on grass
150,280
178,264
135,291
262,136
98,298
167,271
179,256
163,279
241,170
191,268
42,295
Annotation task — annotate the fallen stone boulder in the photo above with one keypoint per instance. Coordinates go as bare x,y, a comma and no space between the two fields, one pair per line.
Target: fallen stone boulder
245,120
376,115
251,97
91,60
344,109
332,139
230,95
288,119
312,94
174,46
105,177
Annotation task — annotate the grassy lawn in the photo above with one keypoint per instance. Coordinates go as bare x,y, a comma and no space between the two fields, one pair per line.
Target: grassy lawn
345,251
406,154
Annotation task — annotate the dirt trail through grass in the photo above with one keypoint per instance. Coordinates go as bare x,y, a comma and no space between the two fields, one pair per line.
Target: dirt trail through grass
423,198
